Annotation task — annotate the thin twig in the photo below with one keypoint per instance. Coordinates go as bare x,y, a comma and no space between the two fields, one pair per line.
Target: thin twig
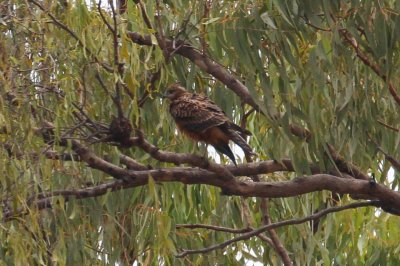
160,32
72,33
144,15
118,65
395,163
214,228
388,126
224,229
264,203
362,56
307,21
104,18
368,62
203,27
154,77
248,221
344,166
264,228
277,244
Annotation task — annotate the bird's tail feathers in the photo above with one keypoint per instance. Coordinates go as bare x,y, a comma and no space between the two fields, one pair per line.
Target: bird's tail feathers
235,137
225,149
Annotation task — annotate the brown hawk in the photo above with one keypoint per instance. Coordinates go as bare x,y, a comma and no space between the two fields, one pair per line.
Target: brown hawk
202,120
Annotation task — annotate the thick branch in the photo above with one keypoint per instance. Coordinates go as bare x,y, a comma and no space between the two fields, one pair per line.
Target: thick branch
96,162
180,158
390,200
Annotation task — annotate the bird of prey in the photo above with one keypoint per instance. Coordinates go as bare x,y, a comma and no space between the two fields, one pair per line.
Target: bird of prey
202,120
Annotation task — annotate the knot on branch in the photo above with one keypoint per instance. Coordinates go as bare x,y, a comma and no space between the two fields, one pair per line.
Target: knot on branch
121,130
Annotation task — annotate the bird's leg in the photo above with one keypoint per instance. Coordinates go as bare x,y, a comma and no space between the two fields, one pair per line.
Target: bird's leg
205,150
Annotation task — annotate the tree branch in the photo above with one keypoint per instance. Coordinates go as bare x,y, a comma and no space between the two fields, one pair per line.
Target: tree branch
346,167
216,70
390,200
180,158
363,57
368,62
72,33
277,244
118,65
395,163
248,235
388,126
214,228
204,63
224,229
84,153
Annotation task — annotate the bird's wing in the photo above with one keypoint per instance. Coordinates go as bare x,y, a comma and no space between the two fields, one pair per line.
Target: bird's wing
197,113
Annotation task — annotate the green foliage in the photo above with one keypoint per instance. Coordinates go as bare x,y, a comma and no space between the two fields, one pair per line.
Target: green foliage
294,61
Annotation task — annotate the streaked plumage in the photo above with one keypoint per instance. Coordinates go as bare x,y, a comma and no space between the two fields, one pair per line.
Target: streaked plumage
202,120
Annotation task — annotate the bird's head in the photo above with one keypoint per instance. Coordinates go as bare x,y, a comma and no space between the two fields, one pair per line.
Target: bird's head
174,91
